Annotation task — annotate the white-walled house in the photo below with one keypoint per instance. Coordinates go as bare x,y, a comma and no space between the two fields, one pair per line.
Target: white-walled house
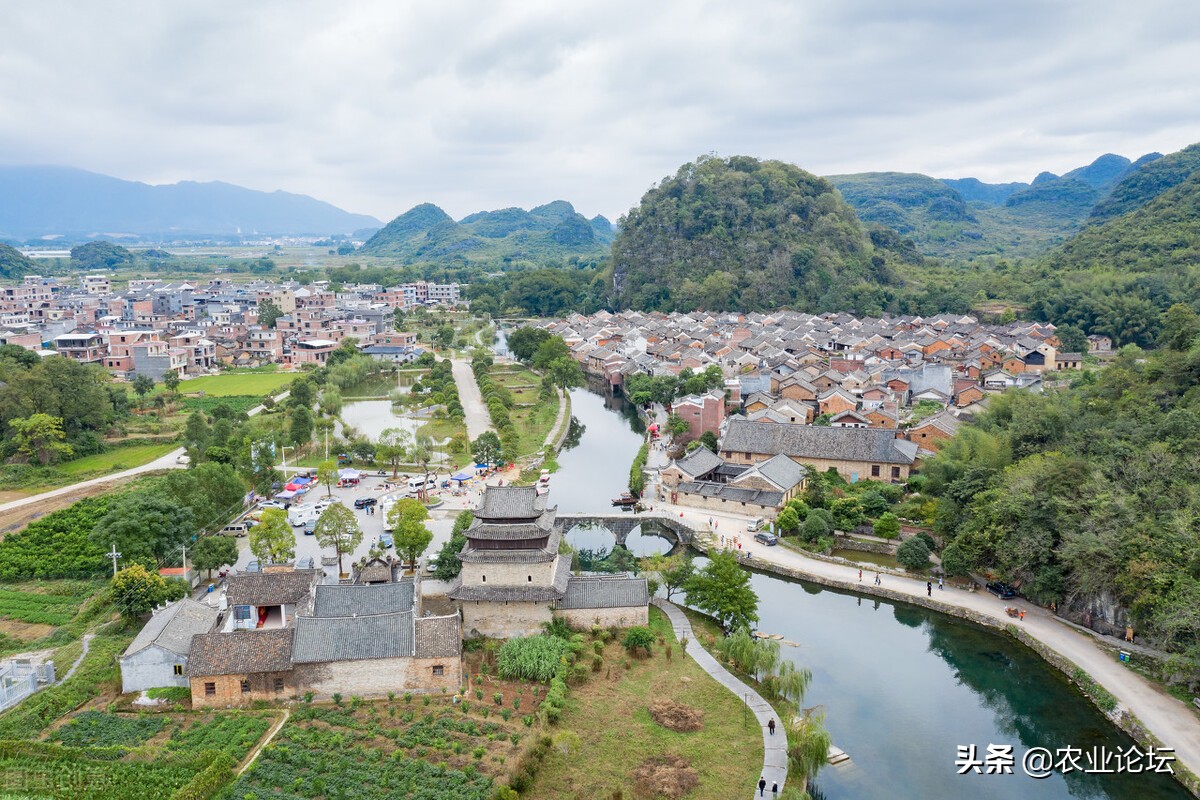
158,656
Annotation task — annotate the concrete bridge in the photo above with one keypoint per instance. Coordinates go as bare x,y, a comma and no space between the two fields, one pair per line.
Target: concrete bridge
620,525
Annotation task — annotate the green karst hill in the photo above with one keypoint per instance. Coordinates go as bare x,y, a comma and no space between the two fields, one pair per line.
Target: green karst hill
554,232
740,233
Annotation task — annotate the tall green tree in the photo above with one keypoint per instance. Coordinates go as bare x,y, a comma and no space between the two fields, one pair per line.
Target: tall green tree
142,385
448,563
327,475
565,372
722,590
146,524
272,540
393,447
39,438
136,591
486,449
268,314
337,528
407,518
213,552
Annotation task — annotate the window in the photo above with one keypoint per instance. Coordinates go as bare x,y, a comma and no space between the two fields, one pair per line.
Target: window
210,688
241,612
874,470
895,472
245,686
530,578
438,670
279,684
179,669
484,578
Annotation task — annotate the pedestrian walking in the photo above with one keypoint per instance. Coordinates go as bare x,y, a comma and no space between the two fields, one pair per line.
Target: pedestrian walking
771,726
940,585
929,588
774,790
860,576
762,786
877,581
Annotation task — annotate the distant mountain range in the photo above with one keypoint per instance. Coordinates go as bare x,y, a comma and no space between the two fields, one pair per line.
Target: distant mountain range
965,217
553,232
74,204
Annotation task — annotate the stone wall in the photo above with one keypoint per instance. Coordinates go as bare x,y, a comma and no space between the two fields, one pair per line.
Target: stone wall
373,678
228,689
502,620
843,542
623,617
524,574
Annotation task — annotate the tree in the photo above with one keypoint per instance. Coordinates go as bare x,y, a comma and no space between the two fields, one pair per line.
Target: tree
172,380
301,394
550,351
847,513
722,590
136,591
272,540
39,437
443,336
448,563
268,314
638,638
817,525
212,491
677,426
407,518
709,439
788,521
393,448
300,426
913,555
486,449
873,503
887,526
146,524
421,454
142,386
565,372
211,552
327,473
524,342
808,746
1071,339
1181,326
337,528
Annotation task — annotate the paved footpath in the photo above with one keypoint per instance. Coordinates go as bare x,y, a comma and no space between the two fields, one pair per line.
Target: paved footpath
774,746
477,418
1174,723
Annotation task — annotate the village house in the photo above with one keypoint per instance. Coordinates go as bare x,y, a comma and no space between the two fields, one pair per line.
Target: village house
158,656
856,453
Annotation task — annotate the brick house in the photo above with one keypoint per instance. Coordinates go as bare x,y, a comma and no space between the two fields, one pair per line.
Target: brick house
856,453
703,412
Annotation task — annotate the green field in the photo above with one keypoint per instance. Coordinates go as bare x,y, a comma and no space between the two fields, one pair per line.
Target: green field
239,383
116,459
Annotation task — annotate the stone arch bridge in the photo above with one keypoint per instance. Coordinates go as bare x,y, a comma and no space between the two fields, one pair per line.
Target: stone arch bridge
620,524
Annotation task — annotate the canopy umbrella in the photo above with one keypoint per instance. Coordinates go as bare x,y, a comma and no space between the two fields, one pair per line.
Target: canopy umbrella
349,472
286,494
462,476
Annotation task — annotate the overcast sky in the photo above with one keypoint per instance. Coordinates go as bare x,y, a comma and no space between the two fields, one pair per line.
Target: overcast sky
377,106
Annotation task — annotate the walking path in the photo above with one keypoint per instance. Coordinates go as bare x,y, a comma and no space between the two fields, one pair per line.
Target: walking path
774,745
477,418
87,643
1172,721
265,742
557,430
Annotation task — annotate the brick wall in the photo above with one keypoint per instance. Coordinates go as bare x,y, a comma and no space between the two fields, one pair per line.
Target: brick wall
371,678
503,620
542,574
228,689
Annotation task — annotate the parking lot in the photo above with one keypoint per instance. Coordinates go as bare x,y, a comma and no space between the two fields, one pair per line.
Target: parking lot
440,523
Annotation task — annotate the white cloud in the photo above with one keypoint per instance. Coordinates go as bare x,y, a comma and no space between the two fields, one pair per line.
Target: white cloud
376,106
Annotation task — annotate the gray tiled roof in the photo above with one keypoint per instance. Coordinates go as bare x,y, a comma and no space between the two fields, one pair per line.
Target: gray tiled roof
438,636
733,494
700,461
779,470
511,503
803,441
173,627
271,588
517,528
339,600
320,639
605,592
241,652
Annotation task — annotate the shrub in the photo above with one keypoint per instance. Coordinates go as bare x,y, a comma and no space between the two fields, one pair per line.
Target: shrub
913,555
531,658
888,527
928,540
637,638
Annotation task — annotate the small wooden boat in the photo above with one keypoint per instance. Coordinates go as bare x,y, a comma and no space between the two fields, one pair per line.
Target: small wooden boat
625,499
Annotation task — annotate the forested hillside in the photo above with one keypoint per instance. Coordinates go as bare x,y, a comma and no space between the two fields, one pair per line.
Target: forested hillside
739,233
1089,497
1152,178
553,234
13,264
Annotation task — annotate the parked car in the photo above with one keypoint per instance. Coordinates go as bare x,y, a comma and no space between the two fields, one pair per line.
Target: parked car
235,529
273,504
183,459
254,566
769,539
363,502
1001,590
310,527
755,524
385,540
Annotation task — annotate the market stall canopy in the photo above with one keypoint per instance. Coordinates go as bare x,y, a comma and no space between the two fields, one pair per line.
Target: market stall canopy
462,476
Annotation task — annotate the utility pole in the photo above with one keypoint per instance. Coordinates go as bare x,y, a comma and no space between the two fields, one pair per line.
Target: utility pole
327,444
114,555
185,563
285,449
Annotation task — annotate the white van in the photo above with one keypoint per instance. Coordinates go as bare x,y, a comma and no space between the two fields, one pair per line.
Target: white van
299,515
418,483
755,524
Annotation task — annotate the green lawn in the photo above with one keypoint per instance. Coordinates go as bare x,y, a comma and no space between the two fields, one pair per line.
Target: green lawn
239,383
117,459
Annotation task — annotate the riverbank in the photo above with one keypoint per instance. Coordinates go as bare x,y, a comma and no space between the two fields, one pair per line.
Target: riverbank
1145,712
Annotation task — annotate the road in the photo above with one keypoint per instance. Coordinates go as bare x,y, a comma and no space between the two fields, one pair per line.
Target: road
169,461
477,418
1171,720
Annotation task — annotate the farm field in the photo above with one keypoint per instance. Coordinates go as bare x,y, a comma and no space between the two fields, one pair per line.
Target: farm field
117,459
619,747
39,614
239,383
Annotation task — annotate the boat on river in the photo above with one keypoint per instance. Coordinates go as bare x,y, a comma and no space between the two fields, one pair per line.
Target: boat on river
625,499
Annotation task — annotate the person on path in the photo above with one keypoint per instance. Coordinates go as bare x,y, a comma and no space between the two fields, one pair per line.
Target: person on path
774,790
877,581
860,576
762,786
771,726
940,585
929,588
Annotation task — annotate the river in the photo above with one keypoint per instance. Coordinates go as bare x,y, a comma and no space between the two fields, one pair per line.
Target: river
901,686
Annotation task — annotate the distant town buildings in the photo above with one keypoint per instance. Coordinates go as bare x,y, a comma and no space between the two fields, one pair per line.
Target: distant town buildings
153,327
